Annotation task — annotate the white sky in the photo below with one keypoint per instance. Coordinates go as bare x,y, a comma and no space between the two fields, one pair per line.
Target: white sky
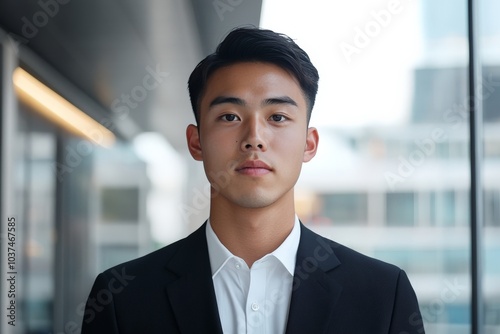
375,88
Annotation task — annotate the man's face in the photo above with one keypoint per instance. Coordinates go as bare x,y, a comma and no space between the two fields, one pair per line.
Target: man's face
253,135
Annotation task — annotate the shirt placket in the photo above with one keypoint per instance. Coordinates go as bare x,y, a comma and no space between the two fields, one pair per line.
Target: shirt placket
255,308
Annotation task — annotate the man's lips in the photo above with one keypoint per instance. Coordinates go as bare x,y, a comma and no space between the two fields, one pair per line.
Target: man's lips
253,168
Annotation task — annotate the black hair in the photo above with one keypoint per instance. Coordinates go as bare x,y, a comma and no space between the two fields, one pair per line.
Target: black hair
254,44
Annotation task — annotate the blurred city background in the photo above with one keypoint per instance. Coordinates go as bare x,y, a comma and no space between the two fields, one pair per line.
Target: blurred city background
102,174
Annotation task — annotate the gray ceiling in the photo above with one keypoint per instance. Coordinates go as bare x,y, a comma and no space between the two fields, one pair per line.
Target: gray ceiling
107,49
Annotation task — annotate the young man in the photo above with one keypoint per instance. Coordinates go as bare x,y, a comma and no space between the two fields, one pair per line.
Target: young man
253,267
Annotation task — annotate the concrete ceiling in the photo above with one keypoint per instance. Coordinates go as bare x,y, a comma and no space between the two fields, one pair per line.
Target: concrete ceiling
132,58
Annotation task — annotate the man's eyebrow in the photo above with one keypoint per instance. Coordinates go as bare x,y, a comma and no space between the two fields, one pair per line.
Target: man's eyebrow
227,99
280,100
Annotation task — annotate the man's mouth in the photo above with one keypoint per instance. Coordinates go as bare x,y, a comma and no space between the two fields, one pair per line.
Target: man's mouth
254,168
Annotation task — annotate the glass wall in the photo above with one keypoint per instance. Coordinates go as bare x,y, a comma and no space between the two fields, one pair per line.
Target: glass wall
392,175
79,209
36,201
489,94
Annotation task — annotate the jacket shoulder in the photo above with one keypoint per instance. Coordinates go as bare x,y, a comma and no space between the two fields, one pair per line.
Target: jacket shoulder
378,290
352,258
349,258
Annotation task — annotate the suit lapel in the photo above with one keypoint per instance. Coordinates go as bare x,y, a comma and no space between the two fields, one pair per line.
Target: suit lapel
314,293
192,295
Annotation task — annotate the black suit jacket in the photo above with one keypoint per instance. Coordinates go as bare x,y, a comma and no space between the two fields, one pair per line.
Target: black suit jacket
335,290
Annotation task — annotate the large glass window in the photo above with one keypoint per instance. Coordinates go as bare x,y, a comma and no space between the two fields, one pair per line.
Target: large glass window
489,93
79,207
392,114
120,204
443,208
350,208
400,208
36,200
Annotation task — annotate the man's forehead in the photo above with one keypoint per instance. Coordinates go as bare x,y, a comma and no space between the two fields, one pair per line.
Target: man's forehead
240,79
251,65
277,100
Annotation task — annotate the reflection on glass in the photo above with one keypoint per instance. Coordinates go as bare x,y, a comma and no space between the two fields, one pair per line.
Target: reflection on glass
489,90
350,208
36,187
391,178
120,204
400,208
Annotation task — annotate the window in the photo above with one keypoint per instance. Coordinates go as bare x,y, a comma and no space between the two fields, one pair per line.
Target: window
36,198
442,205
120,205
398,88
400,209
492,208
488,88
348,208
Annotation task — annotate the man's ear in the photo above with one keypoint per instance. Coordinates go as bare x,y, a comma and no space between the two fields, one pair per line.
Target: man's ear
311,147
193,142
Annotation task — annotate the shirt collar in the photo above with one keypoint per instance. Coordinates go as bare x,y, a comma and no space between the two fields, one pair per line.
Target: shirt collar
285,253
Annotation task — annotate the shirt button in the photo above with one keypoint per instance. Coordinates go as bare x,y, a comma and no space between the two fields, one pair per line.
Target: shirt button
255,306
238,266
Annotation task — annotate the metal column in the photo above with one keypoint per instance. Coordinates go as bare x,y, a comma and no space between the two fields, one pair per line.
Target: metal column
476,159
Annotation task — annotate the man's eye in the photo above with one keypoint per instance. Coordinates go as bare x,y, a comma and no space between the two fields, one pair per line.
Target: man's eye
278,118
229,118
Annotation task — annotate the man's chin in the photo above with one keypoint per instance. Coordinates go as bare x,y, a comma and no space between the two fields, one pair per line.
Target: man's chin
254,201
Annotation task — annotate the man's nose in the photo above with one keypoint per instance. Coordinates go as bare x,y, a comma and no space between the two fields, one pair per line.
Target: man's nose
254,138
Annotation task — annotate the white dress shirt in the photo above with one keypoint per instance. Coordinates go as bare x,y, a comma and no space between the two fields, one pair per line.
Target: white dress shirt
256,299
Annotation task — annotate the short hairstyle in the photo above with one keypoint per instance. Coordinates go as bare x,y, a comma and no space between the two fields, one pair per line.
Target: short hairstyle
260,45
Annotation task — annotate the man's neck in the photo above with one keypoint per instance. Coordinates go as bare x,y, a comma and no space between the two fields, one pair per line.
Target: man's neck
252,233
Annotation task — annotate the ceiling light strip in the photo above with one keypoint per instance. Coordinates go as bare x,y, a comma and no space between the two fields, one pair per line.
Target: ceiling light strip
59,110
